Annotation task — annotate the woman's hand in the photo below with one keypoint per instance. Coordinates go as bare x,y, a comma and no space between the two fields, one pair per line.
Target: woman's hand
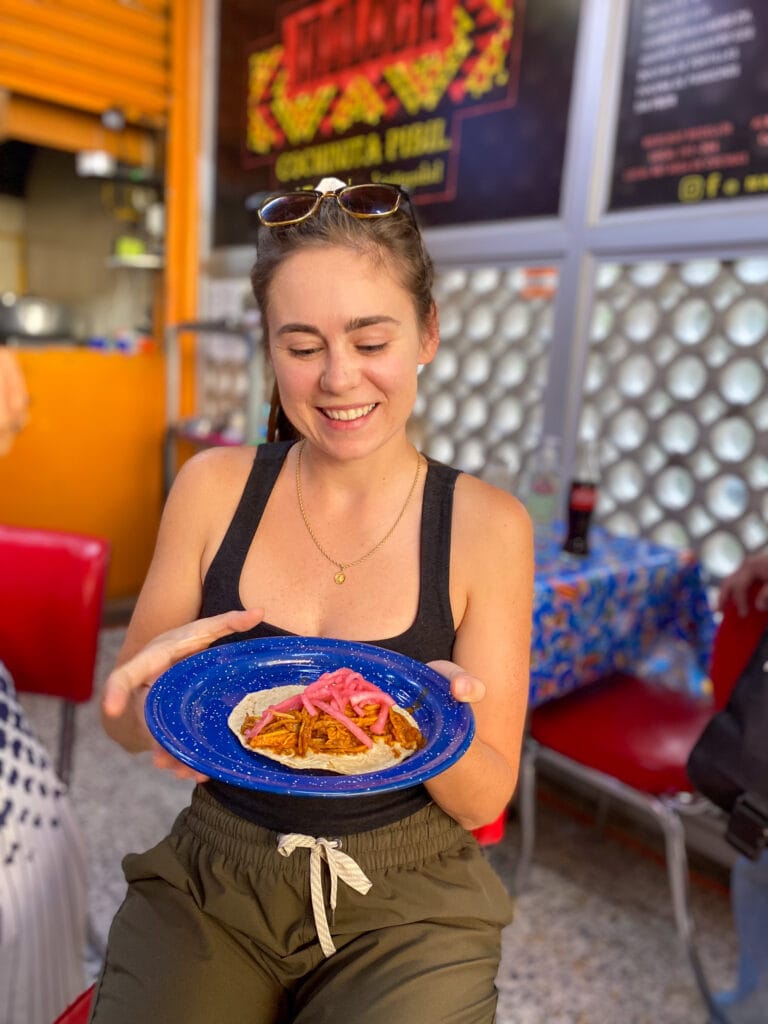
464,686
738,587
126,688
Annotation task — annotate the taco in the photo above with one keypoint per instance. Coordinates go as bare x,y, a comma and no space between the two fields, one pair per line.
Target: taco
340,723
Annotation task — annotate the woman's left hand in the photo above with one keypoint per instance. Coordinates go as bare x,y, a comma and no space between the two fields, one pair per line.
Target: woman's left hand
464,686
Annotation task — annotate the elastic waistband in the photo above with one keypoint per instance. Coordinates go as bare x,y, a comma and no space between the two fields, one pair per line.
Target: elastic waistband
410,841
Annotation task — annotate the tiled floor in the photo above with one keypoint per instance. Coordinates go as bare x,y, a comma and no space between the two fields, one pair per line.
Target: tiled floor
593,940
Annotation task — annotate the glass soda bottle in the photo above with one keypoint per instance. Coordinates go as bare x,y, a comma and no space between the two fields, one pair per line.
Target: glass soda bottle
582,497
540,488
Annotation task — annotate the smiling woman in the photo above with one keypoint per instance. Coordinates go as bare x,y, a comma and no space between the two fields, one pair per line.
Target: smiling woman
435,565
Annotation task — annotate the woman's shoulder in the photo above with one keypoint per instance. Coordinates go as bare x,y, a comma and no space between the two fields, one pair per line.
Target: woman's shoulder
214,467
489,522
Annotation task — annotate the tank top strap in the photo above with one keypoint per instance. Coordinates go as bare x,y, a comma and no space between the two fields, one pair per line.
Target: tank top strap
221,585
437,512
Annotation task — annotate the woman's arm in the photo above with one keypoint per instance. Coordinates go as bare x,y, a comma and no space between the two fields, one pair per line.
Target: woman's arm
202,495
492,565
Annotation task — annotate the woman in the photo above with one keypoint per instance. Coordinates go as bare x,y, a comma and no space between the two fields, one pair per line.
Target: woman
348,533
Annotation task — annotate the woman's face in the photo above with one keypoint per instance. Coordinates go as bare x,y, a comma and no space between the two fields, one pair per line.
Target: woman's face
345,345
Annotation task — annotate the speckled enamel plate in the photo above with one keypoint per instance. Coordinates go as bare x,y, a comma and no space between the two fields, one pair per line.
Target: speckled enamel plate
188,706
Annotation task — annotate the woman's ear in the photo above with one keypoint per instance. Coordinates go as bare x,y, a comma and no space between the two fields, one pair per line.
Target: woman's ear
430,337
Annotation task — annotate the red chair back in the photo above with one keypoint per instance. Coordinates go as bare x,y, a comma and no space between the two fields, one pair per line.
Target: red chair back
51,601
736,638
78,1012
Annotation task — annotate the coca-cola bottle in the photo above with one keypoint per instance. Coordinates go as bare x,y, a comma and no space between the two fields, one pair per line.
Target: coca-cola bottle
582,496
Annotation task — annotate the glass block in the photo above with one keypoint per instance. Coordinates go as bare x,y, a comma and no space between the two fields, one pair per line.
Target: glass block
700,522
664,349
692,321
686,378
515,323
652,459
648,274
609,402
507,415
451,281
746,323
658,404
641,320
674,487
759,413
650,513
476,367
670,293
602,322
727,496
703,465
511,369
629,429
480,324
725,292
607,275
679,433
440,447
470,455
473,413
754,531
742,381
732,439
445,365
635,376
721,553
717,351
670,533
710,407
756,473
441,408
700,273
622,524
450,323
753,270
615,348
487,279
625,481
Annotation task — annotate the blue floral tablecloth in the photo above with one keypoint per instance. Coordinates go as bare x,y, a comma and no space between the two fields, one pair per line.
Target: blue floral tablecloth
629,605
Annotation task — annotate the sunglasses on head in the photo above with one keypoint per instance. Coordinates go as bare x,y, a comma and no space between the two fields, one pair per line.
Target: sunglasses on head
361,201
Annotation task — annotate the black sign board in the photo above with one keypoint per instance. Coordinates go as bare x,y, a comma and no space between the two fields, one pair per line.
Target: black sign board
465,102
693,121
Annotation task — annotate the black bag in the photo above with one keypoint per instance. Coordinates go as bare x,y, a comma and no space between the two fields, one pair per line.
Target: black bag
729,762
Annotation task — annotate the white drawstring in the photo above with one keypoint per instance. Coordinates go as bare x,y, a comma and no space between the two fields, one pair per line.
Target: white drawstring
340,866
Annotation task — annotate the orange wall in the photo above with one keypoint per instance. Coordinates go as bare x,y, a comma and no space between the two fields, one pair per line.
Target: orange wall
90,459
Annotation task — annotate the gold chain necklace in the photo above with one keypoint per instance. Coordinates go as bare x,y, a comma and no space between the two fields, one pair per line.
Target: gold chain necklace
341,575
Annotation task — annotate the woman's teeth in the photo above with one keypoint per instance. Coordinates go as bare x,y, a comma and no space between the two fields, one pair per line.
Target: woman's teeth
348,414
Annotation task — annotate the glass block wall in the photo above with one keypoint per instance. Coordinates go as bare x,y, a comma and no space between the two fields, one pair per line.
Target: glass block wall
481,399
675,390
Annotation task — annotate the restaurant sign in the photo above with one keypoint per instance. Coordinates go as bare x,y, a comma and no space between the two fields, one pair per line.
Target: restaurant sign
380,87
463,102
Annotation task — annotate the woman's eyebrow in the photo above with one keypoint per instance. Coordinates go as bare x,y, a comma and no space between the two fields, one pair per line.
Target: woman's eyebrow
359,322
298,328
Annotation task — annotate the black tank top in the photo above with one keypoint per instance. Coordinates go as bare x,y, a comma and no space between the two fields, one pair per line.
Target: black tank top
430,636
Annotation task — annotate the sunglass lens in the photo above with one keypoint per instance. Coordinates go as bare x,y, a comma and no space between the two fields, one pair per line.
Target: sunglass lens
370,200
287,209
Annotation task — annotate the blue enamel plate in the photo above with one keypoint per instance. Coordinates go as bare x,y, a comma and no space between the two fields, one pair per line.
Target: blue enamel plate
188,706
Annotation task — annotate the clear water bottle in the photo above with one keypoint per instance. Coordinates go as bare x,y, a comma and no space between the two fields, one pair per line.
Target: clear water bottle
582,497
540,487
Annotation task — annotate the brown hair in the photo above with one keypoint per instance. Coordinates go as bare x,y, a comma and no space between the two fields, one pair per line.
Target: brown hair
394,240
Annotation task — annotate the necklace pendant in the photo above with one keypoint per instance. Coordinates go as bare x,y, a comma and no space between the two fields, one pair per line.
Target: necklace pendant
340,577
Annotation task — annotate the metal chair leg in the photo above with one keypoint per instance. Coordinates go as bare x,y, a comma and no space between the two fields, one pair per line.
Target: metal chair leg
526,801
66,741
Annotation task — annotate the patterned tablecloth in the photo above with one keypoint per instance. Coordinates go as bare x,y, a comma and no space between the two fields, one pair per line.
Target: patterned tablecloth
628,605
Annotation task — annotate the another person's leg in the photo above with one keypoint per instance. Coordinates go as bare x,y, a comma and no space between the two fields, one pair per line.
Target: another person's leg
748,1002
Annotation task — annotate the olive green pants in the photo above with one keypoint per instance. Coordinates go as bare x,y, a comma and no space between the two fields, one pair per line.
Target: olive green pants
217,926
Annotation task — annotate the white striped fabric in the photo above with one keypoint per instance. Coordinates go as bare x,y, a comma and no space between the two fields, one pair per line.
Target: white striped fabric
42,877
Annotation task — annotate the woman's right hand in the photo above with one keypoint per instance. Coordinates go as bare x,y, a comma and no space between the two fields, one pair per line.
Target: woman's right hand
126,688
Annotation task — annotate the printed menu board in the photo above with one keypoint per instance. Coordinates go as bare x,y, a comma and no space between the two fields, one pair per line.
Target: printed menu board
464,102
693,121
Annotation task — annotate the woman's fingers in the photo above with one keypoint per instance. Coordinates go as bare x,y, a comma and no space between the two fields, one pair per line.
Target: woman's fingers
143,668
162,759
464,686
